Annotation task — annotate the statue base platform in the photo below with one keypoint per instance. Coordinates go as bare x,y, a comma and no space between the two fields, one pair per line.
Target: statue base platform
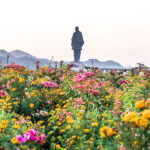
77,66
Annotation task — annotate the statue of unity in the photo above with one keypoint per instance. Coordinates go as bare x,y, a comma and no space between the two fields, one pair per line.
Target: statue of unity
77,43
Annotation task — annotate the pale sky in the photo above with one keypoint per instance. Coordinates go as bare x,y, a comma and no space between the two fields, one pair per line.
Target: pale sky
116,30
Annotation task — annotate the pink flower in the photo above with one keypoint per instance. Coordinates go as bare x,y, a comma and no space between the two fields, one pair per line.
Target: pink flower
69,113
79,78
79,101
89,74
123,82
49,84
20,139
48,102
41,138
122,147
26,136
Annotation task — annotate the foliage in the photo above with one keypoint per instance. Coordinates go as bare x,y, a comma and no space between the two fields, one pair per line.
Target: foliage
61,109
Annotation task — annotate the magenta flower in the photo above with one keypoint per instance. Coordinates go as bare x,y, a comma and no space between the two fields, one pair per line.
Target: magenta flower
20,139
123,82
41,138
31,136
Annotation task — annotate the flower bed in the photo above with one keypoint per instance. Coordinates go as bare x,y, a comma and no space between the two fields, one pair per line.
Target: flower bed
60,109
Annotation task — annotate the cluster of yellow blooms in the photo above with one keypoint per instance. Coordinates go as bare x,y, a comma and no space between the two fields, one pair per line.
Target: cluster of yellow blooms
3,125
137,120
70,120
140,104
106,131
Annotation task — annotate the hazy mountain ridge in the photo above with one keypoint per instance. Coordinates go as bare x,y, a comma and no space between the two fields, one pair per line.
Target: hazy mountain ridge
26,59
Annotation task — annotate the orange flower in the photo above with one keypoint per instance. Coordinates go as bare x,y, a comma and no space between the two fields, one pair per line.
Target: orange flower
31,105
139,104
146,114
106,132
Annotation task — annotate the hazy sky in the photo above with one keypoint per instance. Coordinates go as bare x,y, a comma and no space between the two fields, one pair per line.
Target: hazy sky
112,29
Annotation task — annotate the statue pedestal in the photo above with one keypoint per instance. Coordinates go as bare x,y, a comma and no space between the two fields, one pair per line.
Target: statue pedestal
77,66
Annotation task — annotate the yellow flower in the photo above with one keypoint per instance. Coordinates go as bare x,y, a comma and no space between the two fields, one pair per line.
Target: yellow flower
57,146
139,104
31,105
39,122
74,136
62,130
14,140
104,115
94,124
70,120
59,123
136,120
129,116
105,131
143,122
13,119
146,114
68,127
16,126
28,117
21,80
71,142
78,126
13,89
86,130
103,119
98,146
91,139
110,121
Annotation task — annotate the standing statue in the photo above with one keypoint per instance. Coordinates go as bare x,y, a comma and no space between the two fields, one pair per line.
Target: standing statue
77,43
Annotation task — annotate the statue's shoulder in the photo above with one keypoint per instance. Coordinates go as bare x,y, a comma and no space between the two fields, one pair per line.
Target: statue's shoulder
80,32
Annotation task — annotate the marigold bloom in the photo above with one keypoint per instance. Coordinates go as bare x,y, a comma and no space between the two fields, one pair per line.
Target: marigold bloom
57,146
21,80
68,127
86,130
16,126
91,139
139,104
31,105
13,89
105,131
71,142
127,117
62,130
104,115
14,140
94,124
74,136
143,122
146,114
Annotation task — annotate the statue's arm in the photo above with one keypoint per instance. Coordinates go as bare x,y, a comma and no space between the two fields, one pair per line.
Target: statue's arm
82,39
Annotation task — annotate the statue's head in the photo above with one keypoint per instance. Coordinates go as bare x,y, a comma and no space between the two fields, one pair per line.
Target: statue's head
77,28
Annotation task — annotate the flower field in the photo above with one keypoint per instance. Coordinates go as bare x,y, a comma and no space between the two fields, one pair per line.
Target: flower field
58,109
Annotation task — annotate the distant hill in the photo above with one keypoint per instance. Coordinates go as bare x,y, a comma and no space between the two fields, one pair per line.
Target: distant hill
21,58
102,64
26,59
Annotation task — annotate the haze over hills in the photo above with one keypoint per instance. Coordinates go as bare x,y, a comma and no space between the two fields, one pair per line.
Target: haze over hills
27,60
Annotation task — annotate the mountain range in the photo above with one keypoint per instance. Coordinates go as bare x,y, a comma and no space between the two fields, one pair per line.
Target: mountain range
27,60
